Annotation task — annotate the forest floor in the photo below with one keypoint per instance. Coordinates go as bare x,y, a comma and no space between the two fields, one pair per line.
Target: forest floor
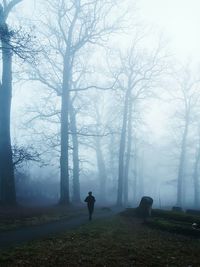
22,216
115,240
21,225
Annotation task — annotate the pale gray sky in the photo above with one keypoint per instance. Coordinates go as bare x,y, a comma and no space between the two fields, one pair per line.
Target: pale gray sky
180,21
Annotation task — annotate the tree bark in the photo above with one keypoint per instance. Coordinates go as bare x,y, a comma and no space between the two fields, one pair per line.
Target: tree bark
64,157
128,153
122,151
135,174
140,174
181,165
76,169
7,182
196,182
196,178
101,169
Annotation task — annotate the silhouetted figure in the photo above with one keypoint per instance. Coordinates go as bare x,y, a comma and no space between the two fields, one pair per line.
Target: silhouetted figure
90,203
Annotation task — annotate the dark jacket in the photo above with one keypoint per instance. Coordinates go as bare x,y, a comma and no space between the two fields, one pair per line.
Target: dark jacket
90,201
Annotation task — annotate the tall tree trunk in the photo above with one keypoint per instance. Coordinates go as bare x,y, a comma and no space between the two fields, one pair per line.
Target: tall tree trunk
181,168
122,151
141,166
64,157
196,182
64,142
7,182
101,169
112,160
102,173
196,177
128,153
76,169
135,174
112,165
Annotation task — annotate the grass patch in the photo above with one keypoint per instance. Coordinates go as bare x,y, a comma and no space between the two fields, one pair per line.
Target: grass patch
23,217
18,217
174,227
115,241
174,222
176,216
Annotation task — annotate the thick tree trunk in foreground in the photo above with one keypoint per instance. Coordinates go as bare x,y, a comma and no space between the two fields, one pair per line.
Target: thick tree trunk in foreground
7,182
76,169
7,179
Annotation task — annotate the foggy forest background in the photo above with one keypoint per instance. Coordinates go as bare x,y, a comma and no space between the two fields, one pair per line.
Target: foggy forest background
100,103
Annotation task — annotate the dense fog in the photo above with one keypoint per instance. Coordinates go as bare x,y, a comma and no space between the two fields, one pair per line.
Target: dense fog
105,98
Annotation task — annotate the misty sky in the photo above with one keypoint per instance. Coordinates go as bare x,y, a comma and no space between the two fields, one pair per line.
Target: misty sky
177,20
180,21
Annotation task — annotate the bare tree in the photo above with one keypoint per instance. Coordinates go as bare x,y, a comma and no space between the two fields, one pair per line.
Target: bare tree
24,154
137,75
129,151
187,101
76,25
95,135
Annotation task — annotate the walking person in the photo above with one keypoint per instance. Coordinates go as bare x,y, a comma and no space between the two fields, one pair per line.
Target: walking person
90,199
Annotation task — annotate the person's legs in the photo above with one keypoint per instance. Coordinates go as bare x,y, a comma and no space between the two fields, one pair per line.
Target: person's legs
90,212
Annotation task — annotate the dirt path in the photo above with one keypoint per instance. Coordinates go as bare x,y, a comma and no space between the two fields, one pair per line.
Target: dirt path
16,237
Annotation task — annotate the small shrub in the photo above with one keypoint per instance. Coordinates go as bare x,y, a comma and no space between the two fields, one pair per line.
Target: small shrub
177,209
178,228
176,216
193,212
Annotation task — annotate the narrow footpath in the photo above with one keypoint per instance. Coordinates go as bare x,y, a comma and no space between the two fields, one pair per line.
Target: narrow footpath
12,238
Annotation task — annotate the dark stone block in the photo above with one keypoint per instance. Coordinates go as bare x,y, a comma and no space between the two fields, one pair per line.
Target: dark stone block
144,209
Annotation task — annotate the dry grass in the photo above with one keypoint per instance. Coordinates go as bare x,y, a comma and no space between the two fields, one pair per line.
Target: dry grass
19,216
115,241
